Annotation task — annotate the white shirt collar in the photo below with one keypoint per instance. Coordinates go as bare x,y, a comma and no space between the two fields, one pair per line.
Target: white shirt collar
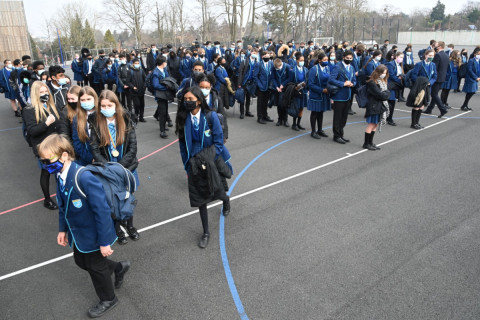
346,65
64,173
108,122
207,98
195,116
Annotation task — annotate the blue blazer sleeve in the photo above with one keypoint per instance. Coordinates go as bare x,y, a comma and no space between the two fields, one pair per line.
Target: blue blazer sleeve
62,223
183,153
333,78
85,67
313,83
98,205
392,72
220,75
416,71
156,81
434,76
217,133
471,72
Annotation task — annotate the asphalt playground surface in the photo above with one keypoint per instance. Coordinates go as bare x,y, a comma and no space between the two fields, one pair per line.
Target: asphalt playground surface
389,234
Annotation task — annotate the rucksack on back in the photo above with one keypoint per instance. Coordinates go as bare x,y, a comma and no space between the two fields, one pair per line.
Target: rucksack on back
361,96
119,184
149,83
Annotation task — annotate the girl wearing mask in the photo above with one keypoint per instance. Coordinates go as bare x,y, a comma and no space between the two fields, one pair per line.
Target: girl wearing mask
222,77
451,79
70,110
318,98
113,139
298,75
377,106
201,138
87,99
373,63
395,82
206,84
471,79
42,119
427,69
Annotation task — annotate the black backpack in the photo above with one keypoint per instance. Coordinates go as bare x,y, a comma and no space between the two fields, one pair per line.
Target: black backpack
149,83
361,96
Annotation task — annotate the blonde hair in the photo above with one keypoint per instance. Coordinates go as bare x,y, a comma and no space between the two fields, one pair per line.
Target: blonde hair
102,121
40,114
56,144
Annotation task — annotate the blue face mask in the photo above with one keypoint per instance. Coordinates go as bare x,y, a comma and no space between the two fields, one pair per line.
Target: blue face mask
136,66
205,92
88,105
62,81
53,168
123,62
301,63
108,112
324,63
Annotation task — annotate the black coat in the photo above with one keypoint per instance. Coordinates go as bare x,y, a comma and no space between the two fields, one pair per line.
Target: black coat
421,84
136,79
218,107
441,61
174,68
101,154
37,132
151,63
204,181
123,74
376,97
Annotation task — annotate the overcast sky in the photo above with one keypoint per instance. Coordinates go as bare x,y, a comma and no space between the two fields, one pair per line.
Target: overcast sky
39,10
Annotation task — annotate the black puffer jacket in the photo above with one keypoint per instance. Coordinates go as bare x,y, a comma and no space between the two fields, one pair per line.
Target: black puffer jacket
37,132
102,155
376,97
421,91
136,79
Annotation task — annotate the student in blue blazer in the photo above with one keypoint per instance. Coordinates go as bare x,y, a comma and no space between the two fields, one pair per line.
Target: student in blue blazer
343,76
198,69
318,98
88,70
395,71
298,75
426,68
451,78
263,78
221,85
81,130
198,131
373,63
472,78
161,113
186,64
464,59
281,77
77,70
84,222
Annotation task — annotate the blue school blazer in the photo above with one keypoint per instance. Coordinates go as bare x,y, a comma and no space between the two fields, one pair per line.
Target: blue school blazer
264,75
210,136
88,221
345,93
422,70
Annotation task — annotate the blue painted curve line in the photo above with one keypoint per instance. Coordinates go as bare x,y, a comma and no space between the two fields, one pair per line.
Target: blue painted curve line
223,251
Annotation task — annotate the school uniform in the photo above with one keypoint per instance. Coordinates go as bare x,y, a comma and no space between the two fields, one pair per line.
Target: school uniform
424,69
162,105
125,95
371,66
318,102
299,75
442,62
184,86
280,78
263,78
23,94
13,79
152,59
215,104
342,100
136,79
219,50
87,226
235,67
408,61
82,149
247,79
395,70
8,91
186,67
77,71
88,72
98,70
471,85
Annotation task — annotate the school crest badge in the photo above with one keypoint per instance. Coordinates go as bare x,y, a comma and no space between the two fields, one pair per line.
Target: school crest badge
208,133
77,203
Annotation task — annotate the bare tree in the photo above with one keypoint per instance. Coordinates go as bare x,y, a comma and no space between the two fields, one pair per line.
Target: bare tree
181,18
158,21
131,14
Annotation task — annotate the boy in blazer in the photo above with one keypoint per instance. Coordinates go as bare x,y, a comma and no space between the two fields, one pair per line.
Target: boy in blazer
84,222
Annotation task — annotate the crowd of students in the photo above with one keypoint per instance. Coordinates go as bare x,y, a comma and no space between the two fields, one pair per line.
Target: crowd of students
69,126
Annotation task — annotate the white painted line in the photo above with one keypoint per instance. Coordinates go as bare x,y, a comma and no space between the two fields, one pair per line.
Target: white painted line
423,114
241,195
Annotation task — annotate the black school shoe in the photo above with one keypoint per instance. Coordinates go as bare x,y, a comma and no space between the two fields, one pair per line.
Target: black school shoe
49,204
226,207
102,307
121,238
203,243
133,233
170,123
119,276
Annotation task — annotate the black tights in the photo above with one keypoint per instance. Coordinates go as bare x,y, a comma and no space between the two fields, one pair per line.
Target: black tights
316,117
444,95
117,225
204,217
467,98
45,183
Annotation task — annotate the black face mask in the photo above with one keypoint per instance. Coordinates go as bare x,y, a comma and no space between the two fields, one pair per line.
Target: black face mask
73,105
465,54
266,59
190,105
347,62
201,56
195,54
44,98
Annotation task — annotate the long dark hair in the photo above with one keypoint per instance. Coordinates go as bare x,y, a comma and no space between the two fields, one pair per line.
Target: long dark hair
183,113
375,54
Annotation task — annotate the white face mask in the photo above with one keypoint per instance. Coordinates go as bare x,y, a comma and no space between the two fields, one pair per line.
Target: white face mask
383,75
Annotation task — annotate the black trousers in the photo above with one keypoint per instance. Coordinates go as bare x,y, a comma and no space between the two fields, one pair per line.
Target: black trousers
246,103
126,99
435,98
161,113
98,87
444,95
262,103
100,269
139,105
88,80
340,116
391,109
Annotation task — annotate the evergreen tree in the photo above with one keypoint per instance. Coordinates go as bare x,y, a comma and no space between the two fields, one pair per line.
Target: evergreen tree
34,47
88,35
109,40
438,13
